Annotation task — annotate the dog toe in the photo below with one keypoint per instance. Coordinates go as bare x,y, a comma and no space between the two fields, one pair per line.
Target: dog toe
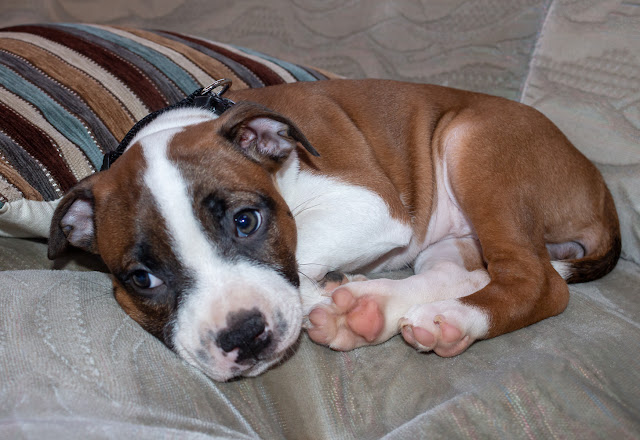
349,322
431,327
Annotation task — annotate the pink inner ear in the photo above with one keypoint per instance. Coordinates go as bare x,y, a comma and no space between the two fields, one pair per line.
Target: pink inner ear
247,136
77,223
270,137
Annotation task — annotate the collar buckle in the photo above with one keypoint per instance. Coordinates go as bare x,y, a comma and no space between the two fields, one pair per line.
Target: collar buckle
209,98
225,83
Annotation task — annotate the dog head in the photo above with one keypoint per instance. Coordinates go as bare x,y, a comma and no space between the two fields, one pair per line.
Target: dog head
199,241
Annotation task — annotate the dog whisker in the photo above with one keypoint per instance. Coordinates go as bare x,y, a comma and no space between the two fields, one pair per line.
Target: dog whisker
301,204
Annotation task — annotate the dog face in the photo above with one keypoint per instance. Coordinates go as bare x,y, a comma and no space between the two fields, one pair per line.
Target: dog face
199,241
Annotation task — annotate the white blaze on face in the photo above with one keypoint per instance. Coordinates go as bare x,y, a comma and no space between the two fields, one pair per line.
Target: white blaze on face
220,287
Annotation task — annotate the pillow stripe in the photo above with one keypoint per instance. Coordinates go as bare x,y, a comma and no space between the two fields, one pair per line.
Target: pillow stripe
286,76
32,123
166,88
316,74
196,64
97,97
266,75
34,179
245,74
177,74
32,140
64,122
198,75
62,95
106,59
298,73
214,68
70,92
90,67
12,184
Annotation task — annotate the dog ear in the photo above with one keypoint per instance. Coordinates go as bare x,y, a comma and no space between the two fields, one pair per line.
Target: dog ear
73,221
262,133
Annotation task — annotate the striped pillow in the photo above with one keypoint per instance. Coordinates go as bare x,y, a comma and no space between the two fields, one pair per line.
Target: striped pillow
70,92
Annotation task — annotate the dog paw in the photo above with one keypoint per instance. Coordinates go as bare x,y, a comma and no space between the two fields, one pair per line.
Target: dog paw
348,322
447,327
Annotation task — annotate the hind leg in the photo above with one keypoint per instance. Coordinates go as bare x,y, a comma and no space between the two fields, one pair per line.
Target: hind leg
523,289
446,326
513,193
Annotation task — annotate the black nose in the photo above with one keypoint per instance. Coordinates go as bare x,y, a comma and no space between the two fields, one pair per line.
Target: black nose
247,331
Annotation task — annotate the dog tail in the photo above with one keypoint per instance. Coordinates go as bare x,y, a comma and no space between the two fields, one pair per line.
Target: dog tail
604,256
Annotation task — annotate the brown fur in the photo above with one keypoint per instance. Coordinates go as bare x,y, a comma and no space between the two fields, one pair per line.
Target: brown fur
516,177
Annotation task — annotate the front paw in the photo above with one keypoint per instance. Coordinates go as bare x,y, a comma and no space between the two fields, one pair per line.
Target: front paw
446,327
347,322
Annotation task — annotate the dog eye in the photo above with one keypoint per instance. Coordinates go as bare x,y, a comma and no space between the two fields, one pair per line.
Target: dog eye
144,280
247,222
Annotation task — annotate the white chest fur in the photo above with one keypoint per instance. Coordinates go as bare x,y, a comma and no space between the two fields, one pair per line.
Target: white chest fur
340,226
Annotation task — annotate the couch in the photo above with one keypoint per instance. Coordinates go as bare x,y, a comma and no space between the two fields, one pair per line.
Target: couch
74,365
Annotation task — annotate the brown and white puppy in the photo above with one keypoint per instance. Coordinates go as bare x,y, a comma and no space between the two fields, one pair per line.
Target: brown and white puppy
224,233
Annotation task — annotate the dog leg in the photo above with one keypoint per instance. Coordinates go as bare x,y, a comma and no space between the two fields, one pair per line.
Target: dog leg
444,324
369,312
501,182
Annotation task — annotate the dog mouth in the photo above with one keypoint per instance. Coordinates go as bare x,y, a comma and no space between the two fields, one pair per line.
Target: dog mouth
233,364
240,351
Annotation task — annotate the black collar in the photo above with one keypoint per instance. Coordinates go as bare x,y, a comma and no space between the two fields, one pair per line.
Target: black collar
205,97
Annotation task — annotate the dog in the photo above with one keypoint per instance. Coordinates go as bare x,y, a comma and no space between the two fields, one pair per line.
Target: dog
227,232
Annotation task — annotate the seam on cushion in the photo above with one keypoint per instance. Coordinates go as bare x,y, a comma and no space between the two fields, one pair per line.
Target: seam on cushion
523,90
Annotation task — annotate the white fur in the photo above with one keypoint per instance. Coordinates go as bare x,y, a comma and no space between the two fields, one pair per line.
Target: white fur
471,321
340,226
173,122
221,287
440,277
444,279
447,219
563,268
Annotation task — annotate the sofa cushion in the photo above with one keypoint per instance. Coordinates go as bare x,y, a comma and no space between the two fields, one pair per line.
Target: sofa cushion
75,366
584,77
70,92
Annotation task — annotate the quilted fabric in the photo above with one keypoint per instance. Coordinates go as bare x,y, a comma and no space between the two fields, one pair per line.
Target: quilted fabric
75,366
481,45
70,92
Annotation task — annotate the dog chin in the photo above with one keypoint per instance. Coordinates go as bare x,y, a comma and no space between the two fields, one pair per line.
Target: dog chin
286,349
226,369
226,373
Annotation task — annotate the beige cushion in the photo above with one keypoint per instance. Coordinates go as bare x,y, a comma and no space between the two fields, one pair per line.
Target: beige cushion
75,366
584,77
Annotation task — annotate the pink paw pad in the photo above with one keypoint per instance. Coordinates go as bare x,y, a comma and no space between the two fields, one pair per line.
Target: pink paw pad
444,338
349,322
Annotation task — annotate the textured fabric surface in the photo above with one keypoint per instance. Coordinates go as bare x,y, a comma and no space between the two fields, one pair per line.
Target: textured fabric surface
75,366
585,76
482,45
69,93
22,254
26,218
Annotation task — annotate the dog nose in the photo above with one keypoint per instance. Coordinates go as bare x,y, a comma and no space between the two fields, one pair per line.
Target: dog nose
247,331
